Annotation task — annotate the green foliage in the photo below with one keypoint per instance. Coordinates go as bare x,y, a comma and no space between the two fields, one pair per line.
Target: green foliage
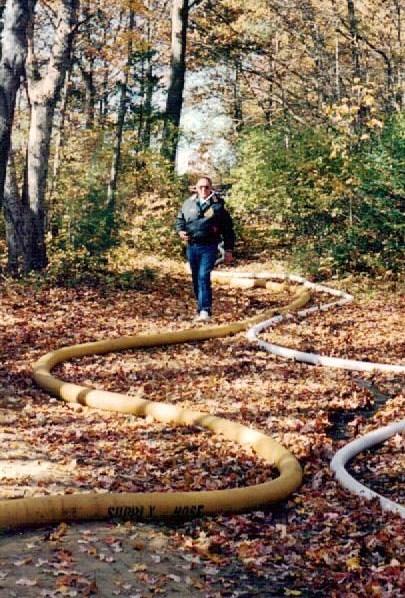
335,211
82,227
86,232
148,212
89,223
70,267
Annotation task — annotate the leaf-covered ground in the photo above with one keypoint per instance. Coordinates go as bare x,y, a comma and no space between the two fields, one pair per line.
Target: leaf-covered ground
320,542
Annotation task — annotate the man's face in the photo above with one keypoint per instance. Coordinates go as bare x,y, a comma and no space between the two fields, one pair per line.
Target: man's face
204,188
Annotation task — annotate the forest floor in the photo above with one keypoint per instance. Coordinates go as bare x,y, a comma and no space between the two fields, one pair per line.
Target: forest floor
322,541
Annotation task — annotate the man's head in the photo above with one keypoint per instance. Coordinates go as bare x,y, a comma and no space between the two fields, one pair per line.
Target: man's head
204,187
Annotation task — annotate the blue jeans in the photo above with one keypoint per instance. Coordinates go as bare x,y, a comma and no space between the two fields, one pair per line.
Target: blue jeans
202,260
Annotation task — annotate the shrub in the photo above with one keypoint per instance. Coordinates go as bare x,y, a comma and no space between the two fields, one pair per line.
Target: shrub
334,212
83,228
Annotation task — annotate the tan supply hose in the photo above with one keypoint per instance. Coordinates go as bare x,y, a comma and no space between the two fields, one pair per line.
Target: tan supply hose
154,505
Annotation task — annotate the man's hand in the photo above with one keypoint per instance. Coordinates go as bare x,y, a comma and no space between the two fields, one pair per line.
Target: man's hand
183,236
228,257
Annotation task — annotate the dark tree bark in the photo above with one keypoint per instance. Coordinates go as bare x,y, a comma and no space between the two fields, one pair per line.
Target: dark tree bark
88,80
237,99
141,111
17,16
59,137
147,107
14,218
354,38
149,86
174,103
103,95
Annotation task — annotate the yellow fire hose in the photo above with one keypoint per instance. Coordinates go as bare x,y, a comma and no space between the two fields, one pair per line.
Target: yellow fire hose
157,505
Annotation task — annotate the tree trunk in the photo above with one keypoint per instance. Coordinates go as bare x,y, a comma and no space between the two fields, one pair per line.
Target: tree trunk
37,170
147,107
88,79
17,16
14,220
237,99
269,107
354,35
337,67
43,94
174,103
103,101
400,94
116,160
149,87
2,9
141,109
59,137
317,50
145,133
86,65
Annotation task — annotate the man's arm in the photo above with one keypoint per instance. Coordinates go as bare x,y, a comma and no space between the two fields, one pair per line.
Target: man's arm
227,231
228,235
180,225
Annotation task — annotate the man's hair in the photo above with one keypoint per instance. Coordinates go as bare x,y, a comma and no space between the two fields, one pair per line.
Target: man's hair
206,178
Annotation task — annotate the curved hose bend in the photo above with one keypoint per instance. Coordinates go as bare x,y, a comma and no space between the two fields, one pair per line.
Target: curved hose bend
314,358
153,505
354,448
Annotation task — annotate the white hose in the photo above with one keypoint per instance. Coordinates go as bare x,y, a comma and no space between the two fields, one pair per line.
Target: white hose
352,449
314,358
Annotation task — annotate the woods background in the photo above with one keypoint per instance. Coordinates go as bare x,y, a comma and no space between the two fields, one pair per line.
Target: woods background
311,95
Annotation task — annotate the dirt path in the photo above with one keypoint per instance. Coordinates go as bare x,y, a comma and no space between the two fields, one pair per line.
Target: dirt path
102,559
321,542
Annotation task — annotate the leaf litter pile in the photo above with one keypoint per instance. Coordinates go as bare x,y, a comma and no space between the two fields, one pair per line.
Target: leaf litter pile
322,541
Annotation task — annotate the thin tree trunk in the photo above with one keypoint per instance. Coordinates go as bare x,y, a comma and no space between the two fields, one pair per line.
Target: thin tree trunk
90,95
237,99
14,219
174,103
149,87
87,69
59,137
146,136
269,106
400,95
354,41
104,94
337,67
317,51
17,16
116,160
104,98
103,102
141,116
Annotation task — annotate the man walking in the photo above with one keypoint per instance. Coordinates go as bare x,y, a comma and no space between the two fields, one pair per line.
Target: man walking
202,223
